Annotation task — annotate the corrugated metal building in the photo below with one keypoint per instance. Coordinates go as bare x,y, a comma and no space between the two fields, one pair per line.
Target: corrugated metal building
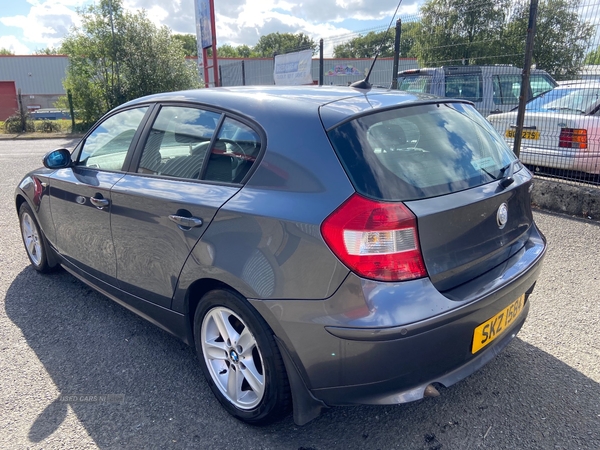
38,77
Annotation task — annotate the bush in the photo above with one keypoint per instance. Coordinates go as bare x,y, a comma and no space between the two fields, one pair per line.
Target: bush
47,126
13,124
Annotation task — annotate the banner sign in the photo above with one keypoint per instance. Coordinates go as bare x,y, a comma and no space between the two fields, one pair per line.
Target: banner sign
342,71
293,69
203,24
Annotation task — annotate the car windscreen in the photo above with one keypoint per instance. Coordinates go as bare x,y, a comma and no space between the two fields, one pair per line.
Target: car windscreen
570,100
420,151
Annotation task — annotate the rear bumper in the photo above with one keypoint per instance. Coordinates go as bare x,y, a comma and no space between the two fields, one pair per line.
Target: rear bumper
383,343
565,159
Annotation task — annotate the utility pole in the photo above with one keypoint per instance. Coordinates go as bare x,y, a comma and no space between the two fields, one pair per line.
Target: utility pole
525,89
117,95
396,54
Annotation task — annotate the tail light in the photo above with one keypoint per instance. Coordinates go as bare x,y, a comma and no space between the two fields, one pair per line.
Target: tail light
573,138
375,240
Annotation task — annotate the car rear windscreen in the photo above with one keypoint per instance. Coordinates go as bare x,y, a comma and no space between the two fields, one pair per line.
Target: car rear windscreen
422,151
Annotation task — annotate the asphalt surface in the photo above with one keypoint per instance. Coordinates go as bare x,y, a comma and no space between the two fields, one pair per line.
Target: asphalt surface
58,337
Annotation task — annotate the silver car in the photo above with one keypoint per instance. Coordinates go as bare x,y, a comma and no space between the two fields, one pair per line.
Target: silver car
561,128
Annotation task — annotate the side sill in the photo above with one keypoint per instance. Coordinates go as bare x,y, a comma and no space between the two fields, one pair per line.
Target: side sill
169,320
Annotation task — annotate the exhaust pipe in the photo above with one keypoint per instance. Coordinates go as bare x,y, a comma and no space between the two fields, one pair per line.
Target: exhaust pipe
431,391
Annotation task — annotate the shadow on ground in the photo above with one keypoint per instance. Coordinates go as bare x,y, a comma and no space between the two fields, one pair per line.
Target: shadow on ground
525,398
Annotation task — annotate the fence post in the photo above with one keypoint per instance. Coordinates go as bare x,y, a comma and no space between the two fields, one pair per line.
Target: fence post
396,54
22,112
525,89
220,77
243,73
71,111
321,62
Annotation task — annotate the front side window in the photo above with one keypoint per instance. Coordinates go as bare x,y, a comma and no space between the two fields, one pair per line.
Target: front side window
106,147
421,151
178,142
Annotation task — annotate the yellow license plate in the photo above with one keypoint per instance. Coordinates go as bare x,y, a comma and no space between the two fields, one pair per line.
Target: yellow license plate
526,134
494,327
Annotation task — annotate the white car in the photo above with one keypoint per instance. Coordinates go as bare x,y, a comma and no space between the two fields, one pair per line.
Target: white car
561,128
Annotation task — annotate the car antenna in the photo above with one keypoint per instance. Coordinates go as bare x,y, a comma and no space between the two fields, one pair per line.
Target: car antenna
365,84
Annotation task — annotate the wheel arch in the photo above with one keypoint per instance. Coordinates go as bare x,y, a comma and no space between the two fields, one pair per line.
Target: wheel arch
305,406
194,295
19,200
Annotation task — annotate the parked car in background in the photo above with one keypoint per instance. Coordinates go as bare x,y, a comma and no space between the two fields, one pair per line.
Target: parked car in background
318,246
561,128
49,114
493,89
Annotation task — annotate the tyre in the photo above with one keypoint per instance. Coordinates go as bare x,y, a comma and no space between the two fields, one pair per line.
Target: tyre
240,358
33,239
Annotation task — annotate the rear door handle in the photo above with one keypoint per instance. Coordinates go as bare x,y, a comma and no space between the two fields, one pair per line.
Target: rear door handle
186,222
99,203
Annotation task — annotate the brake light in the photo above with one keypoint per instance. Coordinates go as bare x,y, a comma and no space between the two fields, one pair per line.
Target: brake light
375,240
573,138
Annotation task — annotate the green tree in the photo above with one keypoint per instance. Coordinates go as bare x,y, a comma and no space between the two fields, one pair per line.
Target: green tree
48,51
188,42
366,46
116,56
593,57
272,43
245,52
561,37
453,31
5,51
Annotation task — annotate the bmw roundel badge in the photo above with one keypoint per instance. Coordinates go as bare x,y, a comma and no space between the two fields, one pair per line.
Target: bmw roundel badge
502,215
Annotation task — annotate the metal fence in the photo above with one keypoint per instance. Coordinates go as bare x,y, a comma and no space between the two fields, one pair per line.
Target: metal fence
532,67
477,50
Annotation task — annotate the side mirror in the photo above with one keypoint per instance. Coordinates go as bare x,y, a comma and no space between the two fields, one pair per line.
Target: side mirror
57,159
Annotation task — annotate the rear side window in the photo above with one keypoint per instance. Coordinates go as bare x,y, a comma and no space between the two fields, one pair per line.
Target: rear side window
469,87
540,84
182,144
178,142
415,83
419,152
506,89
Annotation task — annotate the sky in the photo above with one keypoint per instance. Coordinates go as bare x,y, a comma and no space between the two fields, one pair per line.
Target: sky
30,25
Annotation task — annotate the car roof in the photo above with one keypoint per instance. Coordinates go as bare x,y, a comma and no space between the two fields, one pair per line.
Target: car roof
570,84
249,100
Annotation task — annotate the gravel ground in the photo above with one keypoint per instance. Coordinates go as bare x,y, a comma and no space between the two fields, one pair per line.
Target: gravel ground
57,337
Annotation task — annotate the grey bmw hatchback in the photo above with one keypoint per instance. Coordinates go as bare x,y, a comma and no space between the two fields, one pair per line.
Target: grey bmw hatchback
318,246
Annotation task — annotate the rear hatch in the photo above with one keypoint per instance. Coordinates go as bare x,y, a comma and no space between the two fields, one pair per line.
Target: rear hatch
447,165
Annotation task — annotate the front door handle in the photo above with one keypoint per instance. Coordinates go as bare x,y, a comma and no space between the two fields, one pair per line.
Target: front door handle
99,203
186,222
